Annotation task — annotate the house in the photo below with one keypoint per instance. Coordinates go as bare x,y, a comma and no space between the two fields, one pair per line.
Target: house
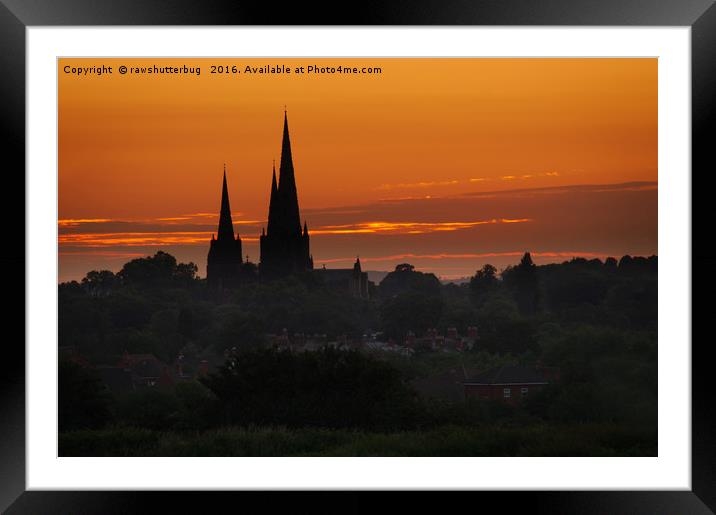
452,341
70,354
509,383
146,370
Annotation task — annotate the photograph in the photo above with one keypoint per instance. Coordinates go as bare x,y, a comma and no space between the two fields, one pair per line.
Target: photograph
375,256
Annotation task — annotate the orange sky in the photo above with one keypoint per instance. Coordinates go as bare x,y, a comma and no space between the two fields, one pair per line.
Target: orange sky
401,153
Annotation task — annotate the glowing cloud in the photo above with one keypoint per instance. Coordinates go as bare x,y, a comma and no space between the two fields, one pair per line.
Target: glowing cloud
424,184
79,221
138,239
408,227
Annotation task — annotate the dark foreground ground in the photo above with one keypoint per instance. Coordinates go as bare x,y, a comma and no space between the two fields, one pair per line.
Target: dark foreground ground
537,440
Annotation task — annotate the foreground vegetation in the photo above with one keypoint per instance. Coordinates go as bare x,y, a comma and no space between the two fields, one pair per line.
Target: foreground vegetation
491,440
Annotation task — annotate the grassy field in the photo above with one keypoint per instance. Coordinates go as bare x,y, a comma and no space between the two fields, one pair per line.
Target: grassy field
537,440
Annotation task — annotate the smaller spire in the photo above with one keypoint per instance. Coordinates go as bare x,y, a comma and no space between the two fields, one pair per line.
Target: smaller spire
305,228
226,226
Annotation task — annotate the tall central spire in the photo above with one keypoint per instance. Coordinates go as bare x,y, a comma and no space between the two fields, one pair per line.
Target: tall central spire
284,247
226,227
287,192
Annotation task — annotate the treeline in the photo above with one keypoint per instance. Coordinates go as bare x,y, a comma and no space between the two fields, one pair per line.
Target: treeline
157,305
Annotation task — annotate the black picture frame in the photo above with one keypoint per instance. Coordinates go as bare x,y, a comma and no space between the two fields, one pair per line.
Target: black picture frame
17,15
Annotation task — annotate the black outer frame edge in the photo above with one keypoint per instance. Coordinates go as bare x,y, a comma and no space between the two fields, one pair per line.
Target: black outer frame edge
699,13
349,502
12,148
368,12
703,122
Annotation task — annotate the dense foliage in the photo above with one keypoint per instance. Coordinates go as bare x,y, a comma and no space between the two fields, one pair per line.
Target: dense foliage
82,403
595,321
448,440
325,388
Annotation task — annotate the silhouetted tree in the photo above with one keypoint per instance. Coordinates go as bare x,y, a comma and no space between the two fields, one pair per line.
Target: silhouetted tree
325,388
185,272
625,262
405,279
522,280
483,283
185,322
234,327
575,284
128,309
160,270
99,284
410,312
502,329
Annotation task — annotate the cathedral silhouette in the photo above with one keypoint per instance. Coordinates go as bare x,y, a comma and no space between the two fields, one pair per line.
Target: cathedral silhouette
224,263
284,244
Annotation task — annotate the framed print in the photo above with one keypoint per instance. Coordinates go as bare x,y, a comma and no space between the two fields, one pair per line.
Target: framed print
419,252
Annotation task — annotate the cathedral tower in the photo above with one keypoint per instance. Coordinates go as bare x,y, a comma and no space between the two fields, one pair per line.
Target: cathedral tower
284,245
224,260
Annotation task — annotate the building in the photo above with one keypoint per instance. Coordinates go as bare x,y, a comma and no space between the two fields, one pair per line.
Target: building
284,245
146,371
224,262
452,341
352,280
69,353
509,383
